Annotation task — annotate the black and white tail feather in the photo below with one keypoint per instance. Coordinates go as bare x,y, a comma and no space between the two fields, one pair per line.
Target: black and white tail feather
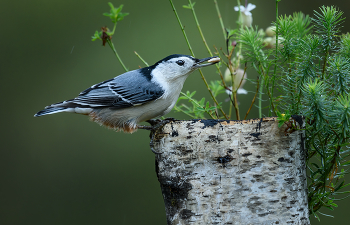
50,110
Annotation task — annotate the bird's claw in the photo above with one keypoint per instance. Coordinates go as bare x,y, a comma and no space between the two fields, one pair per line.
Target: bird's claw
156,124
153,121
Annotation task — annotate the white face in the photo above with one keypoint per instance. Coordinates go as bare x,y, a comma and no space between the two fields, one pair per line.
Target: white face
175,67
174,71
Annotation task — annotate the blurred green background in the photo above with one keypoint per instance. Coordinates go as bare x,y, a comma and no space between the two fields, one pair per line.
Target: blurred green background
63,169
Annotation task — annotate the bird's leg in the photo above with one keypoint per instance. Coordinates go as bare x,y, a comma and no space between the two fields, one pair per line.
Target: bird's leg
144,127
155,126
154,121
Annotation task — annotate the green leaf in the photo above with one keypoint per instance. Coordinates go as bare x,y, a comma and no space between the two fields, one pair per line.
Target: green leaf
339,186
216,87
97,36
200,109
280,123
115,13
207,105
212,108
282,118
201,102
231,32
345,163
189,6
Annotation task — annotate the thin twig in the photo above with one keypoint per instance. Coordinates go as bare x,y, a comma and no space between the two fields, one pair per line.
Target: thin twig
235,94
141,58
230,95
251,105
199,28
276,52
236,105
195,102
220,73
183,111
260,93
201,33
110,43
245,70
209,51
220,18
182,28
200,71
269,94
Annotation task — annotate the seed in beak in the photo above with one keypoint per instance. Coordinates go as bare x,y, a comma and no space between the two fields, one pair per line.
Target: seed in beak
214,60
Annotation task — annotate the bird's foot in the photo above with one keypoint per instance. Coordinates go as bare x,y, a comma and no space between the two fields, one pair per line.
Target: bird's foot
156,124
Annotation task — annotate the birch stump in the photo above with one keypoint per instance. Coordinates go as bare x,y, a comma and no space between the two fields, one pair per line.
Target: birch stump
232,172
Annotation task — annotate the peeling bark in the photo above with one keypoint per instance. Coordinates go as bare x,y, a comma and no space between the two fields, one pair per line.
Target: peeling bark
232,172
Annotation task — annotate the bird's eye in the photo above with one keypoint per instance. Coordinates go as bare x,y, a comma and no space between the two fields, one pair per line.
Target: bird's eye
180,62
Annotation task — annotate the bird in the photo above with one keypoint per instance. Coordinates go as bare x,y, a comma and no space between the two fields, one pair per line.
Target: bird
121,103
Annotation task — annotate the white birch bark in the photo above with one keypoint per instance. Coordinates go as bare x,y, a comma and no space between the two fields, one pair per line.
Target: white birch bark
232,172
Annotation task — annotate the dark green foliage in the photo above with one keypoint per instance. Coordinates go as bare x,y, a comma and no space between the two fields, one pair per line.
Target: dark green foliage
345,46
314,105
292,29
252,45
339,74
315,83
327,24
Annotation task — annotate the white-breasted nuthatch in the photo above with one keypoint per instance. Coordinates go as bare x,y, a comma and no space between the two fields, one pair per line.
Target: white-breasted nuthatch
135,96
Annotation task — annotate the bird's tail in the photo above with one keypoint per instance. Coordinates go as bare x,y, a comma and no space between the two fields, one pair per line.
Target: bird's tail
52,110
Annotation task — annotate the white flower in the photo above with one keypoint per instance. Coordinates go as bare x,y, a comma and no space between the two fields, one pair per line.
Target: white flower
245,10
246,15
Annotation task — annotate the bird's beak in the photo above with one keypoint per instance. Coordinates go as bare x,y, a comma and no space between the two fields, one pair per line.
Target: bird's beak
206,62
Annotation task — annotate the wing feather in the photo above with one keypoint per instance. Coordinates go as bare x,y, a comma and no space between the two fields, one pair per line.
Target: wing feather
129,89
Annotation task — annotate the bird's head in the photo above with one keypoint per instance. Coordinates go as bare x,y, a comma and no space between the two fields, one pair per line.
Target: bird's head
176,66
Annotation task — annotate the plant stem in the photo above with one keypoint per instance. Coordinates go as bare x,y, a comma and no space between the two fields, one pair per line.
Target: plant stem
239,22
276,52
200,71
199,28
251,105
260,96
195,102
212,96
110,43
265,75
220,18
182,28
325,63
236,105
234,92
115,25
183,111
141,58
201,33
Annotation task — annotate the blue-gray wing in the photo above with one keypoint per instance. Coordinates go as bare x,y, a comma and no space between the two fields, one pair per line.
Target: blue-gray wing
129,89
